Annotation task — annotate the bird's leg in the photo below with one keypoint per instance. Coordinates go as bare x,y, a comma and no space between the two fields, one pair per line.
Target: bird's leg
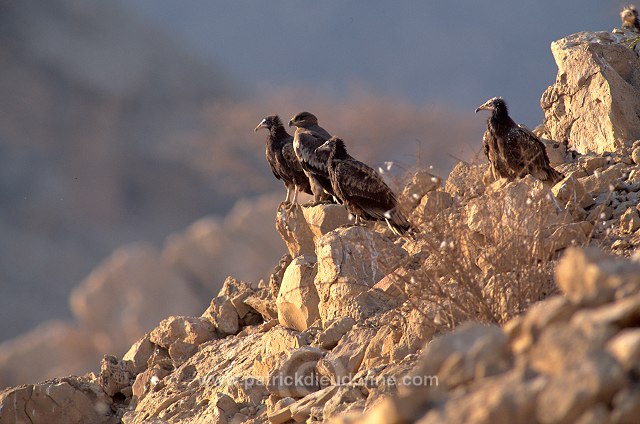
286,200
293,206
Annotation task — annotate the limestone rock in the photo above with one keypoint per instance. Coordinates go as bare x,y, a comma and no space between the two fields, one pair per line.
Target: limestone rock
595,101
625,347
334,331
568,395
343,362
350,261
432,203
590,277
223,315
422,182
139,353
182,335
238,292
296,375
302,228
71,400
465,180
525,205
570,190
115,375
467,352
298,299
630,221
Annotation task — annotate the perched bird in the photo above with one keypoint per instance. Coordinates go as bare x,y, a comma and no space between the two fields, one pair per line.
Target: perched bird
514,151
361,189
308,137
630,21
283,160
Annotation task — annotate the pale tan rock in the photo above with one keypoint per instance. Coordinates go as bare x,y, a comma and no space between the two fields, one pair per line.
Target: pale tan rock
280,339
562,346
296,375
223,315
635,155
524,206
422,182
625,347
431,204
115,375
263,303
192,330
568,395
595,101
571,190
301,230
334,331
298,299
350,261
591,163
525,330
510,398
556,151
630,221
465,180
563,236
139,353
71,400
466,353
603,182
591,277
341,364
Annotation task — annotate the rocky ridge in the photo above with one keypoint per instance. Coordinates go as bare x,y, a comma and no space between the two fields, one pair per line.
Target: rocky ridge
517,302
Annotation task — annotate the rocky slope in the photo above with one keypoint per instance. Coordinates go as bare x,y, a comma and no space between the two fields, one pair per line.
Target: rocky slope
517,302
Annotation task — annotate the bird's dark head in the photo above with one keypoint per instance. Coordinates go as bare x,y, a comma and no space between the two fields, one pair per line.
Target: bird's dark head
303,120
269,122
496,104
335,145
629,15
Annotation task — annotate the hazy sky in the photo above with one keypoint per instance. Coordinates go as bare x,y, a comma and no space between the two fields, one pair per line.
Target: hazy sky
457,52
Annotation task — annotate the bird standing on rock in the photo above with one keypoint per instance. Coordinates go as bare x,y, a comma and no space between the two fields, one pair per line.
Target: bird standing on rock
283,160
308,137
630,21
361,189
514,151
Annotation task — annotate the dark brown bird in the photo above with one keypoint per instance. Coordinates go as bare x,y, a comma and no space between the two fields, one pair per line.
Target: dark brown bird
283,160
514,151
308,137
629,17
361,189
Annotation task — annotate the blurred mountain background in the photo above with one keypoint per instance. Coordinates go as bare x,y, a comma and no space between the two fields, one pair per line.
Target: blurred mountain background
128,120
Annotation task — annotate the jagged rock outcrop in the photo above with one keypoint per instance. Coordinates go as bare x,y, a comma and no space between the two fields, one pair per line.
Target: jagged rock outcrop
595,101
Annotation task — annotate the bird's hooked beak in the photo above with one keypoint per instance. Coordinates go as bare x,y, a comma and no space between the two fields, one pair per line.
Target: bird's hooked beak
324,147
262,124
290,123
485,106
